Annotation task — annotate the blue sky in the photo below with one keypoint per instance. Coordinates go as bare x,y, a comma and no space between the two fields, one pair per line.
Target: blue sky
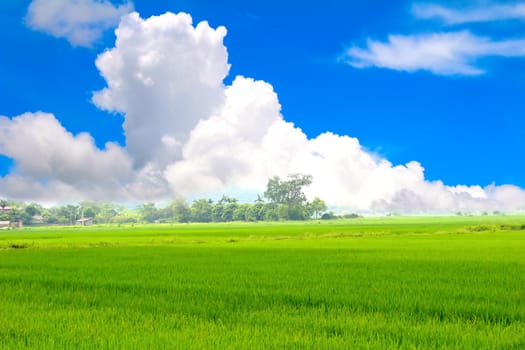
334,66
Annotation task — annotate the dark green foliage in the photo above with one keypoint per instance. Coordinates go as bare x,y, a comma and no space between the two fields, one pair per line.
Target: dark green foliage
148,212
351,216
290,191
271,212
328,216
217,213
179,211
227,213
287,202
201,210
239,214
317,207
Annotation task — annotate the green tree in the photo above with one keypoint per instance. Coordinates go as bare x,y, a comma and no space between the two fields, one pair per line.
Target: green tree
182,210
4,215
270,212
106,212
217,212
229,209
251,213
318,207
89,212
227,200
240,213
297,212
255,212
289,191
51,216
69,214
34,209
126,216
148,212
201,210
282,212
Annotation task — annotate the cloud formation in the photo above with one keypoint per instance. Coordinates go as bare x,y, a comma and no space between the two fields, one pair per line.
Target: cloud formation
81,22
51,162
188,134
164,75
485,13
454,53
441,53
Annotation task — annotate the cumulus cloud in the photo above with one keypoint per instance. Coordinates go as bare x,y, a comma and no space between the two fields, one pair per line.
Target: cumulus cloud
478,13
249,141
52,161
81,22
164,75
189,134
454,53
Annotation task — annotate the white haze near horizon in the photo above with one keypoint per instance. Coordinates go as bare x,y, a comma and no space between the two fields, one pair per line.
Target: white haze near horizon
188,134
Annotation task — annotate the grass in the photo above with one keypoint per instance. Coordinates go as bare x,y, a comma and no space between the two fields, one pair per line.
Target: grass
377,283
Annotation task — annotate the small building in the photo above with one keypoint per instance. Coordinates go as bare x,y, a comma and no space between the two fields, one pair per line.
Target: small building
85,221
9,224
5,225
37,220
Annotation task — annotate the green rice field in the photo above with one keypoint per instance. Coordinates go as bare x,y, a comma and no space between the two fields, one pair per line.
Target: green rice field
372,283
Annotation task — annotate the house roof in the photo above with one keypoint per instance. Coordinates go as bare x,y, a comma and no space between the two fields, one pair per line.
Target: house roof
85,219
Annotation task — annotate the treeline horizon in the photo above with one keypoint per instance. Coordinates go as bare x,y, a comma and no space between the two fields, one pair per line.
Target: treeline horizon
282,200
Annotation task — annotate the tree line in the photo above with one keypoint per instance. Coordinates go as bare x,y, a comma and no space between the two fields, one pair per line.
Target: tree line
283,199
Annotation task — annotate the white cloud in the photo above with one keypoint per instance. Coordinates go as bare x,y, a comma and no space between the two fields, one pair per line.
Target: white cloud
81,22
188,134
477,13
165,75
454,53
51,162
248,141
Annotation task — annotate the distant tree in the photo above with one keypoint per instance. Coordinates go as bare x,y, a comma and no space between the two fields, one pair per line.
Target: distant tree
4,215
282,212
220,212
317,206
50,215
297,212
239,213
254,212
69,214
89,212
258,209
217,212
328,216
126,216
250,213
201,210
148,212
229,209
227,200
288,192
106,212
275,192
179,210
270,212
34,209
